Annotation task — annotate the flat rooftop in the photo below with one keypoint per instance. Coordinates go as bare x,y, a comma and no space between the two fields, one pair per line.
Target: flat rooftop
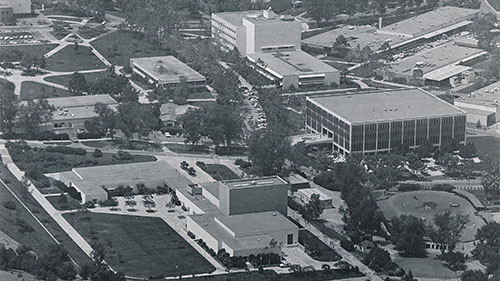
248,183
167,69
310,191
256,223
484,96
200,201
363,107
431,21
212,187
255,16
365,35
436,57
290,63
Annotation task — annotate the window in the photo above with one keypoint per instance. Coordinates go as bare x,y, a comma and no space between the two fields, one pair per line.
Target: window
289,239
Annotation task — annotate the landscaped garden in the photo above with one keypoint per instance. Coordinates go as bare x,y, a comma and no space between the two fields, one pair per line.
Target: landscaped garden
34,90
140,246
64,79
119,46
122,144
58,159
316,249
71,58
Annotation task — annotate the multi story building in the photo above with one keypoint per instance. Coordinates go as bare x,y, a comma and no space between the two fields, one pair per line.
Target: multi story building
378,121
168,72
19,7
482,106
271,44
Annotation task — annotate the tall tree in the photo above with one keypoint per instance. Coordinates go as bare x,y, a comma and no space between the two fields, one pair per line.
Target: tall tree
35,113
224,124
491,181
77,84
268,150
9,106
407,234
448,229
314,208
488,248
107,118
135,118
193,122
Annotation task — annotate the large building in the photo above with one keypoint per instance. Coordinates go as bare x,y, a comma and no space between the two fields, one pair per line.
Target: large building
378,121
19,7
271,43
294,69
415,30
72,112
240,216
482,106
255,31
168,72
93,183
443,65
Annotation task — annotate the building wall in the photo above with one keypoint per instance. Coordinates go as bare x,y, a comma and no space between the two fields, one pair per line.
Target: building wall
249,251
272,36
199,232
253,199
6,14
191,206
383,136
326,203
20,7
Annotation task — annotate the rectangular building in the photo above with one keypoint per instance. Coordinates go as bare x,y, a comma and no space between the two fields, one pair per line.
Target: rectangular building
294,69
482,106
19,7
378,121
255,31
168,72
305,196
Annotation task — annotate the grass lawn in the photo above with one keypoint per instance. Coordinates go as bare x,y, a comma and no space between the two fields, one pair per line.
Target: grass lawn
429,267
183,148
38,239
220,172
121,144
318,250
415,202
64,79
60,34
31,50
34,90
52,162
124,42
69,59
140,246
486,146
270,275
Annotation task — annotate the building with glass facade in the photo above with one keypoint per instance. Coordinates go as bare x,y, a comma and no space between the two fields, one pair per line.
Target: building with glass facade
378,121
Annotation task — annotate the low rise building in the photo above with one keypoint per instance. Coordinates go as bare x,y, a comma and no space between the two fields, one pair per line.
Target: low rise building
168,72
171,112
305,196
379,121
482,106
93,183
6,14
294,69
19,7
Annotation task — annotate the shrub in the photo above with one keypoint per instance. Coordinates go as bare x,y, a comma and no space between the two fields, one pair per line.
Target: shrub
97,153
90,135
443,187
123,155
66,150
347,245
408,187
201,164
10,205
108,203
23,227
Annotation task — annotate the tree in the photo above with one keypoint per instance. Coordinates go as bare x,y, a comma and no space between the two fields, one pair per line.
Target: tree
136,118
409,277
487,250
174,200
314,208
447,230
193,123
77,84
491,181
9,106
407,234
107,118
468,150
268,150
29,62
35,113
474,275
224,124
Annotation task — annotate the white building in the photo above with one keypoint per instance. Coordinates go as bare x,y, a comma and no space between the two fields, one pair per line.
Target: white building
305,195
20,7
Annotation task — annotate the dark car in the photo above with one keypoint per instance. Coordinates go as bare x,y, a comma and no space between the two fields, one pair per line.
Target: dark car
191,171
184,165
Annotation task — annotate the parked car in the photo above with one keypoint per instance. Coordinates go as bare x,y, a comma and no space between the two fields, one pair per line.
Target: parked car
191,171
184,165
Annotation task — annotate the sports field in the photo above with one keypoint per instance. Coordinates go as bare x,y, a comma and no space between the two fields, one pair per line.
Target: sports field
427,203
140,246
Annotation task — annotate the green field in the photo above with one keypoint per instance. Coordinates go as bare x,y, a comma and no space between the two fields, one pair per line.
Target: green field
64,79
34,90
125,42
429,267
415,202
32,50
38,239
140,246
69,59
120,144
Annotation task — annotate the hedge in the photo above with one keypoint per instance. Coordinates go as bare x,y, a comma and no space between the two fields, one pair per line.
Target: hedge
66,150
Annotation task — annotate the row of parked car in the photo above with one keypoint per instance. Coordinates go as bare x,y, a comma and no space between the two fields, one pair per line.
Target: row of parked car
190,170
254,101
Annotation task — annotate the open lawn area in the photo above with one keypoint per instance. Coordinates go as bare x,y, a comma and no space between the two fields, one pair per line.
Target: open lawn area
121,144
140,246
186,148
486,146
429,267
128,45
270,275
52,162
427,203
22,227
34,90
38,50
64,79
69,59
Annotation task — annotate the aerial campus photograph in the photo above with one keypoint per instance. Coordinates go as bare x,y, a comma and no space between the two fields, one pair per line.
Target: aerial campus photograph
266,140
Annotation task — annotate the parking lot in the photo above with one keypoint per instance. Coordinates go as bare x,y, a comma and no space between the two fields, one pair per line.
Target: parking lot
16,38
258,117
